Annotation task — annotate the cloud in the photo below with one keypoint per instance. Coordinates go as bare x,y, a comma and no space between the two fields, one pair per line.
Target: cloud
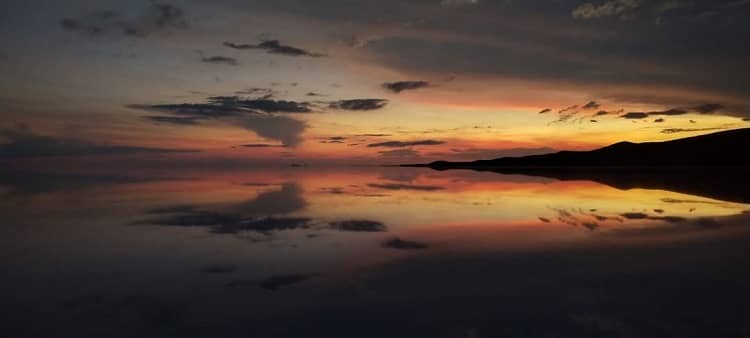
399,153
261,104
260,116
359,225
400,186
22,142
455,3
272,283
708,108
400,144
220,60
687,130
545,110
275,47
259,145
591,105
158,17
634,115
359,104
282,128
219,269
401,244
659,120
618,8
400,86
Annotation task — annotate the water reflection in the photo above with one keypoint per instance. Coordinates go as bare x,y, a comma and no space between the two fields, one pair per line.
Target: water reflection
356,252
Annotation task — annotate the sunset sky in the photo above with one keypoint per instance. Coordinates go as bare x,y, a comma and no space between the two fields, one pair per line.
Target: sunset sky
365,81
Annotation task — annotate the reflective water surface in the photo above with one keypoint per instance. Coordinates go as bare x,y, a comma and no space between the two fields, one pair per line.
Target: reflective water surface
369,252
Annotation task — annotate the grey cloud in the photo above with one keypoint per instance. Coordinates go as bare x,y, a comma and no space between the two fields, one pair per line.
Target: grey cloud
708,108
359,225
158,17
400,86
259,145
634,115
591,105
22,142
400,144
686,130
455,3
262,104
402,244
275,47
399,153
609,8
220,60
359,104
401,186
287,130
256,115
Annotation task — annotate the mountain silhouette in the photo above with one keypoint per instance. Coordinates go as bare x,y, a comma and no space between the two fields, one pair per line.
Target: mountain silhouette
717,149
712,165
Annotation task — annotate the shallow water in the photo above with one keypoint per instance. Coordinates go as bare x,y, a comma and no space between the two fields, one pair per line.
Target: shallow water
368,252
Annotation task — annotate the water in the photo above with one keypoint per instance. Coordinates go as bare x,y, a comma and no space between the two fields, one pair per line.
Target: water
369,252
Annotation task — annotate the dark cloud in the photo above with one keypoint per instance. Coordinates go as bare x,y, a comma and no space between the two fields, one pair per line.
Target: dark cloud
401,144
609,8
257,115
359,104
545,110
262,104
399,186
373,135
401,244
686,130
260,145
272,283
601,113
659,120
158,17
591,105
634,115
400,86
708,108
22,142
275,47
174,120
220,60
399,153
456,3
219,269
359,225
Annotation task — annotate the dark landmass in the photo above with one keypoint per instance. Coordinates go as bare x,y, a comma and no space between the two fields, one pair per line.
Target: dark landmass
713,165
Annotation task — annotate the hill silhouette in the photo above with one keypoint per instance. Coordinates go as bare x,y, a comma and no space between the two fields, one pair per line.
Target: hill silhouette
717,149
712,165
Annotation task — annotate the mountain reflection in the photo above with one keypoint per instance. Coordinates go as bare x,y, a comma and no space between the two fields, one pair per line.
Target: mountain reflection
196,255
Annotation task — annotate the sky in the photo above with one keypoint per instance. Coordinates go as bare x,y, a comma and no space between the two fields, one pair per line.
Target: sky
365,81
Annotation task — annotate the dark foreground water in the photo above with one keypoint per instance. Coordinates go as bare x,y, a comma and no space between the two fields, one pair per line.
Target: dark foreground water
369,253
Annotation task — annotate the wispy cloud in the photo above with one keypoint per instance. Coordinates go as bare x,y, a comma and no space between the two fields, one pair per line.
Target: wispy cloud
158,17
398,87
359,104
401,144
616,8
21,142
275,47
